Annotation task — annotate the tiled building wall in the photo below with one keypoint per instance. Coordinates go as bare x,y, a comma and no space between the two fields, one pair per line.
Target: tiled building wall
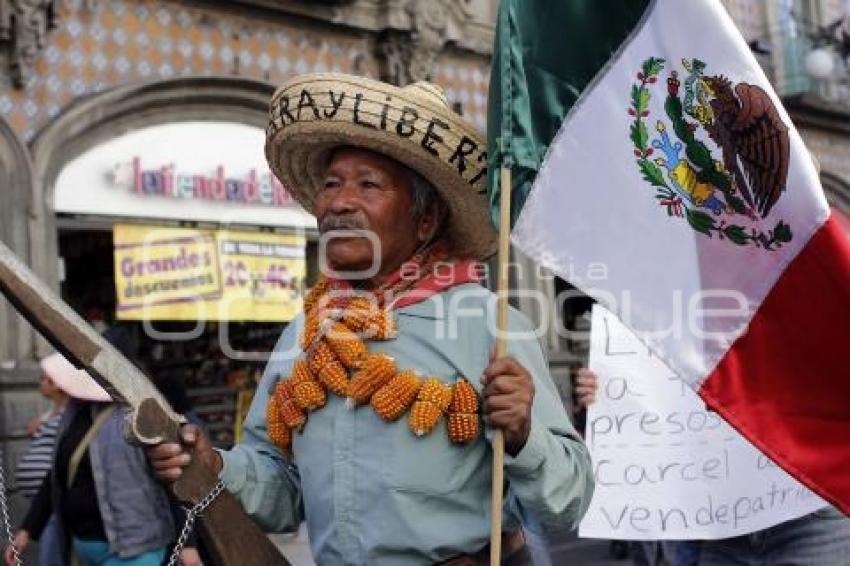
100,45
116,42
466,80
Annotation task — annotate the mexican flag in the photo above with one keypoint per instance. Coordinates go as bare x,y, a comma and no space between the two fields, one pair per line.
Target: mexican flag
655,169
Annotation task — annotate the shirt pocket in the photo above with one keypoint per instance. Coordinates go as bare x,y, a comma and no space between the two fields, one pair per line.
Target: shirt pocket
430,464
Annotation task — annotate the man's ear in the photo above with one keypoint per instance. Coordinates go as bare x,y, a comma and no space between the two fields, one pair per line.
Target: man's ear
426,227
430,222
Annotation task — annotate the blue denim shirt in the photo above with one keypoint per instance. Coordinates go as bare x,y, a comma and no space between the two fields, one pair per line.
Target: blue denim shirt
373,493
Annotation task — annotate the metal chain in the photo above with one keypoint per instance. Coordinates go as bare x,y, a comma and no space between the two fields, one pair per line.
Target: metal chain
7,524
191,516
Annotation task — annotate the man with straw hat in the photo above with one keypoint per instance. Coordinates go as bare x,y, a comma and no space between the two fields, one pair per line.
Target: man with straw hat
367,422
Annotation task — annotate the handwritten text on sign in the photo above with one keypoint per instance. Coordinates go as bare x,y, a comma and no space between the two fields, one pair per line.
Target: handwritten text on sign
665,467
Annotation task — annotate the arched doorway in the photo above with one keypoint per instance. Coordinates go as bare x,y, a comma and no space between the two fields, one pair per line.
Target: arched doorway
102,117
19,399
177,130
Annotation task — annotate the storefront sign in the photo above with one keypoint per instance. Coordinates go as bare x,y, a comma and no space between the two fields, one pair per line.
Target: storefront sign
212,172
178,274
166,181
665,467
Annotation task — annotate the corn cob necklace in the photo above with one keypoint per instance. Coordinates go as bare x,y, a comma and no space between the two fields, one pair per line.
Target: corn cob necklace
336,359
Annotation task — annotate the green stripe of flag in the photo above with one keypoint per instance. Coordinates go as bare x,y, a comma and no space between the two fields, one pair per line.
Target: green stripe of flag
546,53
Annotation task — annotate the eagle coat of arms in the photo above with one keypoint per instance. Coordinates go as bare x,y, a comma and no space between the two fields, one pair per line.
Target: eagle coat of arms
729,193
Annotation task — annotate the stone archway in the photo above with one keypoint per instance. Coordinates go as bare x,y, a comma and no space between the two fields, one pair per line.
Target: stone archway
100,118
15,189
19,399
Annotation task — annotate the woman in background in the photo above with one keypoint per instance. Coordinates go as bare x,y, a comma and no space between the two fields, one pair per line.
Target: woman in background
35,463
128,522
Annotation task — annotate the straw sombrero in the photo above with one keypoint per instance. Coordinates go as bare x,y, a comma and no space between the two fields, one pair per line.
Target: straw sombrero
313,114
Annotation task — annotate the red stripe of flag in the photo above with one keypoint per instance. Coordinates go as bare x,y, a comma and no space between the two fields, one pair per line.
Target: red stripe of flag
785,384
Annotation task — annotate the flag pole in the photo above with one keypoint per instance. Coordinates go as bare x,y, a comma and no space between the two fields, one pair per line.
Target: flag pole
501,350
505,185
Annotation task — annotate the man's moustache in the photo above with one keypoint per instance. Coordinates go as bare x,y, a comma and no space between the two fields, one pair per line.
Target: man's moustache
330,223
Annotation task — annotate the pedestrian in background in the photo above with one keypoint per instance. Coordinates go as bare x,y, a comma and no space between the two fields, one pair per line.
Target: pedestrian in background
110,512
35,463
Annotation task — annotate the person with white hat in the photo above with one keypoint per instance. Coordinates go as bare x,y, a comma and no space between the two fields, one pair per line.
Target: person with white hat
35,463
368,421
99,486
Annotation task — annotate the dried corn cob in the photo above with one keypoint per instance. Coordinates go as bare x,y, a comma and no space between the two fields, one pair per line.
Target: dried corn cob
272,409
394,398
366,318
301,372
283,390
292,414
436,392
376,371
309,395
310,331
334,377
462,427
327,369
319,289
432,400
423,417
462,419
320,355
464,398
306,391
357,313
348,347
278,432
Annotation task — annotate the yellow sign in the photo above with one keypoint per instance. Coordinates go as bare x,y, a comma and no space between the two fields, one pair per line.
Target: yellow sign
178,274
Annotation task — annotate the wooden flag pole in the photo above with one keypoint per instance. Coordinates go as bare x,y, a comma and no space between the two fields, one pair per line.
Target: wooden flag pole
501,350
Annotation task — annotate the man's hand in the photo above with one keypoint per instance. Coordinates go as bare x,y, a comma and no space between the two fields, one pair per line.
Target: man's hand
586,384
508,393
21,541
190,557
169,459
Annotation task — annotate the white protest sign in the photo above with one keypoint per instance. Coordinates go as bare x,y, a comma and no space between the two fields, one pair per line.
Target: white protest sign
665,467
